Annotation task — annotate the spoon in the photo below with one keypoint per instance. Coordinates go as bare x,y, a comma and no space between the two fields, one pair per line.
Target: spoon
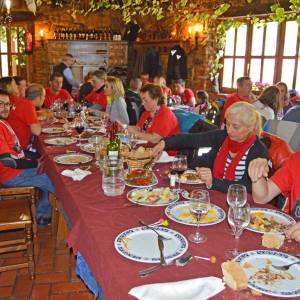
179,262
285,267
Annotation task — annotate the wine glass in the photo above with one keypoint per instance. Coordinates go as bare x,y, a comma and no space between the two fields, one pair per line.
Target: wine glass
79,127
199,205
132,140
236,195
179,165
238,219
70,117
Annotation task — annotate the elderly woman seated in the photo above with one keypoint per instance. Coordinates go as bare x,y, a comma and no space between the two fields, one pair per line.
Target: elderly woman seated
223,155
157,121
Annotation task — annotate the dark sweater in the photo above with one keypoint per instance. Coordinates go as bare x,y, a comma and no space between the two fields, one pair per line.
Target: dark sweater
190,143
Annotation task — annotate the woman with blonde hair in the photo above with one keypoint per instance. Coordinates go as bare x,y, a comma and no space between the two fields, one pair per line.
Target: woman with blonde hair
116,105
161,81
221,157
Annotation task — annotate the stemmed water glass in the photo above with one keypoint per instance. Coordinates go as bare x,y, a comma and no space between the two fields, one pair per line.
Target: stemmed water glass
179,165
199,205
238,218
236,195
79,127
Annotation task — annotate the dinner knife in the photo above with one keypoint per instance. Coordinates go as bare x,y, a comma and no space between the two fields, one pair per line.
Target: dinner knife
161,250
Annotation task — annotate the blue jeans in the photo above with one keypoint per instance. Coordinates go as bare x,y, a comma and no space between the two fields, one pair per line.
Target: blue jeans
29,177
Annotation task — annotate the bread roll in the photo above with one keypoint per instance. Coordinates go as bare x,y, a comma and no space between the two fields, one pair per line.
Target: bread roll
234,275
272,240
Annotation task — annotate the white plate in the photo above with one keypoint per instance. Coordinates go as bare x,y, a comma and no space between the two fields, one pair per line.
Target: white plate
259,259
278,216
165,158
72,159
197,181
90,131
89,148
161,196
153,183
60,141
180,213
140,244
53,130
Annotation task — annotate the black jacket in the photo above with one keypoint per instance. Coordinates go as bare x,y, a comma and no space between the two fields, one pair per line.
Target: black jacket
152,62
60,69
213,139
177,64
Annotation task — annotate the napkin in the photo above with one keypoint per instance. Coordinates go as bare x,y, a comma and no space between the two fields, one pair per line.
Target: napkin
165,158
76,174
192,289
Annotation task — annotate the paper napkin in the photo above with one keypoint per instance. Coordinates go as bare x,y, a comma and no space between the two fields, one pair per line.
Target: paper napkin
76,174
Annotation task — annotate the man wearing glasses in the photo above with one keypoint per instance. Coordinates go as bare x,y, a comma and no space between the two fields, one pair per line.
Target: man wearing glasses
17,170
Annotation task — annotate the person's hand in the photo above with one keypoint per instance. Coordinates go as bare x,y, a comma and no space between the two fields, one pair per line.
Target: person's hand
252,98
158,148
294,232
205,175
258,168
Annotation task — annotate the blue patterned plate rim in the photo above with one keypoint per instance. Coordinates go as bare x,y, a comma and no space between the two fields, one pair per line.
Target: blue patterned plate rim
170,233
168,212
271,290
271,212
158,203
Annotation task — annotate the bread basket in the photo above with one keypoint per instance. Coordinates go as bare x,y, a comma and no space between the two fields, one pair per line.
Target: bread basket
138,158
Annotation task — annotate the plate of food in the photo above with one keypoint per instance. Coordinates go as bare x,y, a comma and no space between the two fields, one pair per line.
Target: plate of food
180,213
53,130
269,220
152,196
72,158
88,133
89,148
60,141
140,244
140,178
262,277
189,177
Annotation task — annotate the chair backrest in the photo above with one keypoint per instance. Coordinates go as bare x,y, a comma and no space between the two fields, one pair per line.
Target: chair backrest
293,114
289,131
186,119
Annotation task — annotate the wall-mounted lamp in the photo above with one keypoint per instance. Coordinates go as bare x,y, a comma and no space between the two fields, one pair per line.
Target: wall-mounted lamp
42,37
196,33
6,17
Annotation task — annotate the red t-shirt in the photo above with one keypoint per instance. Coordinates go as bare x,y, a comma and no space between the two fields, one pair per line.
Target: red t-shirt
231,99
7,142
187,95
95,97
50,97
21,117
295,98
288,180
164,122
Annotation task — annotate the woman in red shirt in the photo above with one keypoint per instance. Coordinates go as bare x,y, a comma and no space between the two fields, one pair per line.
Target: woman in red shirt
157,121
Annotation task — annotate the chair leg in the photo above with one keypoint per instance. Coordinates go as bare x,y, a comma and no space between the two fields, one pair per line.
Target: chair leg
30,250
33,212
55,214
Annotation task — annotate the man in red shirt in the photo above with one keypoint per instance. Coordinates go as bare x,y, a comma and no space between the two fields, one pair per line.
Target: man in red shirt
97,97
186,95
23,118
16,169
286,180
55,92
244,93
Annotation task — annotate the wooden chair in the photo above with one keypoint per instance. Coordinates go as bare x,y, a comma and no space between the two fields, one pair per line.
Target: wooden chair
15,215
30,193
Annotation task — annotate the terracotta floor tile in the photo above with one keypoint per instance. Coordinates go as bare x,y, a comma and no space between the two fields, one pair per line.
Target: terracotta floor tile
59,297
23,285
61,263
5,291
40,292
81,296
51,277
67,287
8,278
45,268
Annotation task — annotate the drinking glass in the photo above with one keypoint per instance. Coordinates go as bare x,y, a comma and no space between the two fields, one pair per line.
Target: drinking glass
238,219
179,165
132,140
236,195
79,127
199,205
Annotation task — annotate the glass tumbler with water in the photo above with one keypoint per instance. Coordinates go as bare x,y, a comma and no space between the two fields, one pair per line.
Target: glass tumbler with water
113,181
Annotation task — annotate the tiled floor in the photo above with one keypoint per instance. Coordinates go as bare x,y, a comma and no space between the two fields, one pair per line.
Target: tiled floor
55,274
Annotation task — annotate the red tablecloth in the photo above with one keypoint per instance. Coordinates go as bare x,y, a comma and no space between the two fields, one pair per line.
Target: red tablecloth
97,220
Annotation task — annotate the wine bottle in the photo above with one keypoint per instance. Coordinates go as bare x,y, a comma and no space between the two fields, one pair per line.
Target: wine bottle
113,147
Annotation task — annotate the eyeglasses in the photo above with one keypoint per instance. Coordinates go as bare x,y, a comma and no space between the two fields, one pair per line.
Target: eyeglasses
5,104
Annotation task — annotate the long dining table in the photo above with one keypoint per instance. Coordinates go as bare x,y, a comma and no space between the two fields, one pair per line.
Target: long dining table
97,219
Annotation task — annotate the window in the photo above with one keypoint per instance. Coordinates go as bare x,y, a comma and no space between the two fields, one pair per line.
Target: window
12,51
265,53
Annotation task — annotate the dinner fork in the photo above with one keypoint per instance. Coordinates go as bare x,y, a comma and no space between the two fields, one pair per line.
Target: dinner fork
285,267
158,234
